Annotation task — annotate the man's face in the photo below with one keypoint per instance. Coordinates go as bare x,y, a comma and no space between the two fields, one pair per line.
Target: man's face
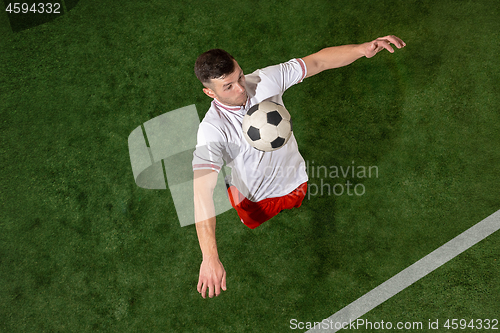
230,89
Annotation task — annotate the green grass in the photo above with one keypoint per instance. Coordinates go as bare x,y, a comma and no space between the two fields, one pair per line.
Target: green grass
82,248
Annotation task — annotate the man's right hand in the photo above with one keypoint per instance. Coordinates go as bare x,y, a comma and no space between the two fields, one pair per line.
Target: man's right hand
212,276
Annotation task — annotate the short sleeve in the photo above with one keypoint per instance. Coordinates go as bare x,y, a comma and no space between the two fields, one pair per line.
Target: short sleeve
209,148
293,72
286,74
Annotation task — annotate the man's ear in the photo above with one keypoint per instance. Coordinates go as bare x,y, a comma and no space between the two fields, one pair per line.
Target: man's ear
209,92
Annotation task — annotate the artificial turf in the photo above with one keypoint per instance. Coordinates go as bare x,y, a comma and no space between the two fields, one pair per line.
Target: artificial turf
82,248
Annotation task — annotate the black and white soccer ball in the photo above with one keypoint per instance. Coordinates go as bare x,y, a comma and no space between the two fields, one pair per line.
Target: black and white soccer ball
267,126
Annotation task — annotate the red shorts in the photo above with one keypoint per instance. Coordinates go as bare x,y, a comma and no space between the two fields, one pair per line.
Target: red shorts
253,214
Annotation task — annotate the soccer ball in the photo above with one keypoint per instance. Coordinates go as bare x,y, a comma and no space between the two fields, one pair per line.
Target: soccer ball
267,126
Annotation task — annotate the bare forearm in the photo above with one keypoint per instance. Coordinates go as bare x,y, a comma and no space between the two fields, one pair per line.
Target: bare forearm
339,56
204,211
333,57
206,237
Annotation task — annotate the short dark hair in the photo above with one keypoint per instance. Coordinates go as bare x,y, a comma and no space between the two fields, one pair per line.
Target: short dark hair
213,64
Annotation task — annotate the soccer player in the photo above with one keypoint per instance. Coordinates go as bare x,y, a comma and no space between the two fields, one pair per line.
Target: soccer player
262,183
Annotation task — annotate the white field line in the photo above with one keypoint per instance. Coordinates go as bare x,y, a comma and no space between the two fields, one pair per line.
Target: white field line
410,275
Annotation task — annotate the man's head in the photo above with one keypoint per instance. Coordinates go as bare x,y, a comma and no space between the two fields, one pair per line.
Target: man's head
222,77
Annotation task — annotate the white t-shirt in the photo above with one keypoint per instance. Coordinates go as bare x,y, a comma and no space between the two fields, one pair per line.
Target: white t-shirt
257,175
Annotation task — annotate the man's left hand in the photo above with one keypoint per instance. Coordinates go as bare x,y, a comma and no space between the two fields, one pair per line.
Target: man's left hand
374,47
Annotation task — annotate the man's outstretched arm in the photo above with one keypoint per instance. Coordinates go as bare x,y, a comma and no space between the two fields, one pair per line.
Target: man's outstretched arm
212,273
339,56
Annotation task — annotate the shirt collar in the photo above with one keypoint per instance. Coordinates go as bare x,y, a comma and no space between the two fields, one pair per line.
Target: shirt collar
233,108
